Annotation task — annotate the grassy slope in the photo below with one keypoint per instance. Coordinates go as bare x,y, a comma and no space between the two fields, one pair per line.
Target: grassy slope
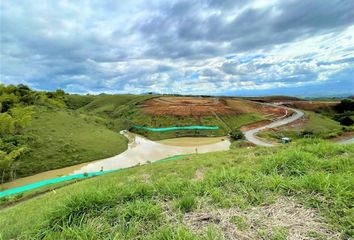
107,104
148,202
321,126
76,101
67,138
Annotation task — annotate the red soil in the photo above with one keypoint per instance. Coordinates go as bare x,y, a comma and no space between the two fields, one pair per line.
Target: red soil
187,106
207,106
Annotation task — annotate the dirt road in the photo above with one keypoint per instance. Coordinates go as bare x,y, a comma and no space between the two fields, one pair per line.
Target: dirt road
250,134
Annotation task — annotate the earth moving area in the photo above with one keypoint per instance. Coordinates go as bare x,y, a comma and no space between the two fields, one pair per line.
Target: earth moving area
204,106
225,113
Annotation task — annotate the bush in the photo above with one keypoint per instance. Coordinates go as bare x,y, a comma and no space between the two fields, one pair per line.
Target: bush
346,121
237,134
345,105
306,134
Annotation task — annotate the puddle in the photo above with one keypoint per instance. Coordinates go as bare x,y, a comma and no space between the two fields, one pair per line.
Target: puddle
140,150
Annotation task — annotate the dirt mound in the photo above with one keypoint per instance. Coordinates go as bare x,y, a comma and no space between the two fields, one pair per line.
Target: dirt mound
187,106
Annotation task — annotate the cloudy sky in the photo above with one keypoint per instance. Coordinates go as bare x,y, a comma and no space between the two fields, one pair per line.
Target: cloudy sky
221,47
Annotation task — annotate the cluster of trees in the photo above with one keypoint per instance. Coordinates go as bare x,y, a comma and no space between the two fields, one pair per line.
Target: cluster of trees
17,106
345,112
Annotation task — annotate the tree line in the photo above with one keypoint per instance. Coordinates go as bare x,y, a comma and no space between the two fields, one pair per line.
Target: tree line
17,106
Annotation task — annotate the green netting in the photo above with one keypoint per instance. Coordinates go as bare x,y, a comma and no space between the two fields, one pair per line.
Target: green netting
177,128
48,182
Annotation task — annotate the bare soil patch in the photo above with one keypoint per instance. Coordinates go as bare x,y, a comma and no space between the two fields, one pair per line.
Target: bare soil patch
199,175
206,106
187,106
254,107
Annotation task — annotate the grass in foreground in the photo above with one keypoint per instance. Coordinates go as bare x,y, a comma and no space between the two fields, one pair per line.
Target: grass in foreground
203,196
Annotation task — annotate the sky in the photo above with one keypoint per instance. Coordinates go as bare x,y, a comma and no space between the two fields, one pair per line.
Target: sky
212,47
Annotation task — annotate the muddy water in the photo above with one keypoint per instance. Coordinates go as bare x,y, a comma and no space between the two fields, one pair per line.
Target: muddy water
140,150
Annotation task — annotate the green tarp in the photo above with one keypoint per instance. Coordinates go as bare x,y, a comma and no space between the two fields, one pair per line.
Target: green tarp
46,182
39,184
177,128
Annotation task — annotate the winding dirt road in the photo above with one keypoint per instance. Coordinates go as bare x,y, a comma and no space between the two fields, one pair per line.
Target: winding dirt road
250,135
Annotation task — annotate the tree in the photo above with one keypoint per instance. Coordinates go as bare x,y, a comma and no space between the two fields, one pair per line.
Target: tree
345,105
22,117
7,101
7,161
7,123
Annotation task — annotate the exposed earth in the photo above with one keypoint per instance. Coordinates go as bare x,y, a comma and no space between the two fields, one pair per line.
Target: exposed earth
206,106
187,106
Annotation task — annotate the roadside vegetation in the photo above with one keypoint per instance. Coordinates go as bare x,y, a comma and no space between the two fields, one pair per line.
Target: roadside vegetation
323,119
303,191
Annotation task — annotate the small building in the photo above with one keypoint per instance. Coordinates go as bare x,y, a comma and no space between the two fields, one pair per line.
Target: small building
285,140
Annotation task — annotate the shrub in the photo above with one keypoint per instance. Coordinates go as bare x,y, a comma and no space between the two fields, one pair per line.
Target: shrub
237,134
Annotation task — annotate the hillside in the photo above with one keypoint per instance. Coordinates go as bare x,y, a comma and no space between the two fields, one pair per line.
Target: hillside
300,191
65,138
41,131
226,113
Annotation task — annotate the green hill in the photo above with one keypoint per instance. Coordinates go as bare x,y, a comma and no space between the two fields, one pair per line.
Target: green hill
302,190
65,138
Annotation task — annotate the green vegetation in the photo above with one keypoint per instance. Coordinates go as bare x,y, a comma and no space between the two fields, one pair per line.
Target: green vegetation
345,113
235,184
41,131
316,125
236,134
225,123
67,138
342,112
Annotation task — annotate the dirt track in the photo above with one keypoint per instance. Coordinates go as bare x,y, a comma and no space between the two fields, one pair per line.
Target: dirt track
250,134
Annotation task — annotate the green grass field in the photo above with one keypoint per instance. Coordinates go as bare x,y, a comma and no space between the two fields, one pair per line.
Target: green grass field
203,196
65,138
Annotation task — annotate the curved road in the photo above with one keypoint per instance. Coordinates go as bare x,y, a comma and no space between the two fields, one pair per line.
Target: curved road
250,134
348,141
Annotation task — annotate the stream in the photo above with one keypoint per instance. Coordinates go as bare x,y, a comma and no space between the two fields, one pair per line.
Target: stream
140,150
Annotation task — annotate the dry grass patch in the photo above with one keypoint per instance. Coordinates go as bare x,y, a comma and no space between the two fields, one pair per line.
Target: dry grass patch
284,219
199,175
